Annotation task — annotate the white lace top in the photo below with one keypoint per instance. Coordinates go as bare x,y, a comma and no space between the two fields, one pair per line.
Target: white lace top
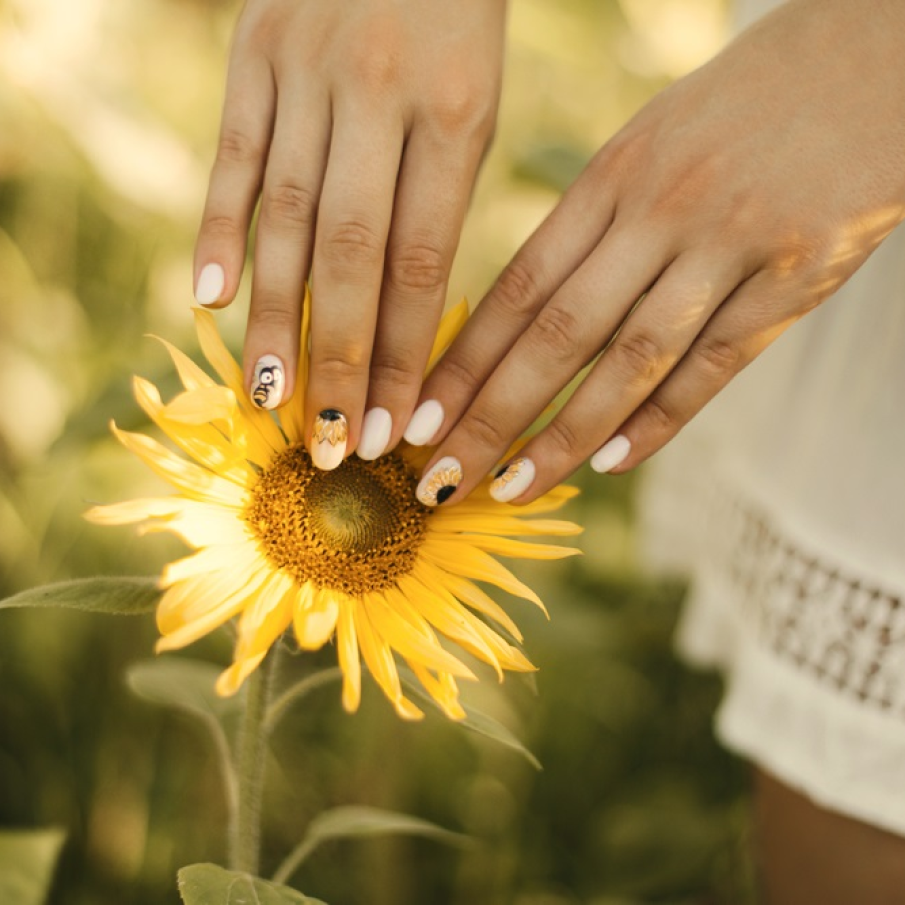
793,485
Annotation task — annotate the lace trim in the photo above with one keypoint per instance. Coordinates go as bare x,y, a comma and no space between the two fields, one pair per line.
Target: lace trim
845,632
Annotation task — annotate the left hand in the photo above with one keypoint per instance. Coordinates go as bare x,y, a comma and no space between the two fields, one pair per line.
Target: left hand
733,204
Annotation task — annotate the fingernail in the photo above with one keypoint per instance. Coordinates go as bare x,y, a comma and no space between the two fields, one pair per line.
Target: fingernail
267,382
512,480
425,422
611,454
328,442
440,482
376,427
210,284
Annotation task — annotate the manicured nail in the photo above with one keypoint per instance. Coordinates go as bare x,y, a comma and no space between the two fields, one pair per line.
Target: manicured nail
328,442
425,423
210,284
268,382
376,427
440,482
611,454
512,480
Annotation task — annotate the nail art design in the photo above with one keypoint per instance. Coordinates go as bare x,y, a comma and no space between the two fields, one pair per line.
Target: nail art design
267,383
611,454
328,441
440,483
512,480
425,422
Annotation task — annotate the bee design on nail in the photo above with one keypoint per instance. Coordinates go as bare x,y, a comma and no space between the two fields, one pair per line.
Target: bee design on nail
331,427
441,484
267,389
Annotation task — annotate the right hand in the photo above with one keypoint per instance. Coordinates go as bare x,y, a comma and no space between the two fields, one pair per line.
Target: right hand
362,127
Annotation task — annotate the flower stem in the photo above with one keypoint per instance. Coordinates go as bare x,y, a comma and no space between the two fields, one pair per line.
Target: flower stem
245,832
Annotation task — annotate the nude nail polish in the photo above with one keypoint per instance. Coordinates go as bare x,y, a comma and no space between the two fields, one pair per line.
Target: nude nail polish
439,483
611,454
376,427
328,440
424,423
210,284
512,480
268,382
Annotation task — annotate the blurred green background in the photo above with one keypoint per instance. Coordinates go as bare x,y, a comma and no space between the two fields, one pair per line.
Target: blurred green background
110,113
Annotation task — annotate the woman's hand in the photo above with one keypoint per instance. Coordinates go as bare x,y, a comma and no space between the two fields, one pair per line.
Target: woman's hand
361,126
733,204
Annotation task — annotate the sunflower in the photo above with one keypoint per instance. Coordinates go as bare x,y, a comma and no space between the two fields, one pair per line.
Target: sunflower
348,555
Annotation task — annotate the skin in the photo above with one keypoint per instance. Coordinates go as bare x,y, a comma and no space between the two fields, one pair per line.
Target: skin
361,128
807,854
737,200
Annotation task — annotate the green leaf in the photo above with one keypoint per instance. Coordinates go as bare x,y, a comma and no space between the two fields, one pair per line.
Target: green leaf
27,861
475,721
124,596
210,884
357,822
181,682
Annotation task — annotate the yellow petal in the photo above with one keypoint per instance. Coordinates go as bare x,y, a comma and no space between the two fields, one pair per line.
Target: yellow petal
292,415
450,325
131,511
190,374
347,651
379,657
231,560
315,613
193,480
266,617
476,564
204,525
443,690
470,594
452,521
225,365
205,405
506,546
230,680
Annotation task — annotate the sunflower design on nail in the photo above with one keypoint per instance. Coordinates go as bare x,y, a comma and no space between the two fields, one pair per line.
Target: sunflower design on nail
441,483
331,427
508,473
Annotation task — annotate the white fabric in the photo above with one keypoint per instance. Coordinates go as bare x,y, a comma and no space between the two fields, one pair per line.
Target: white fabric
786,499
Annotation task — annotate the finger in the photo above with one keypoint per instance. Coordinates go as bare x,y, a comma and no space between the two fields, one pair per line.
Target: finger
352,227
650,344
742,328
556,249
435,183
284,239
566,334
235,179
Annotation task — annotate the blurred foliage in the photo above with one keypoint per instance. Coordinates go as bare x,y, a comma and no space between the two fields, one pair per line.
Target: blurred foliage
110,115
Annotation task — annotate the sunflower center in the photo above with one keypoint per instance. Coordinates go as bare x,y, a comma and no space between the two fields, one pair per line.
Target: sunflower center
354,529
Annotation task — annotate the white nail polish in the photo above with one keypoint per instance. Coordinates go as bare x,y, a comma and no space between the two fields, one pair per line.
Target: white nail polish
611,454
512,480
440,481
328,441
376,427
425,423
210,284
268,382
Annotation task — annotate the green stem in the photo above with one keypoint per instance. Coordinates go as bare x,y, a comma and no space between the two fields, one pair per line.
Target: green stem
245,832
295,692
293,861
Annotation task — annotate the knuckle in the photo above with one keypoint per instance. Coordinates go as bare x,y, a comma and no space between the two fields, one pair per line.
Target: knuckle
517,290
416,267
562,437
555,332
352,244
342,366
390,371
222,226
661,416
459,373
275,316
483,427
288,205
638,357
238,147
719,358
